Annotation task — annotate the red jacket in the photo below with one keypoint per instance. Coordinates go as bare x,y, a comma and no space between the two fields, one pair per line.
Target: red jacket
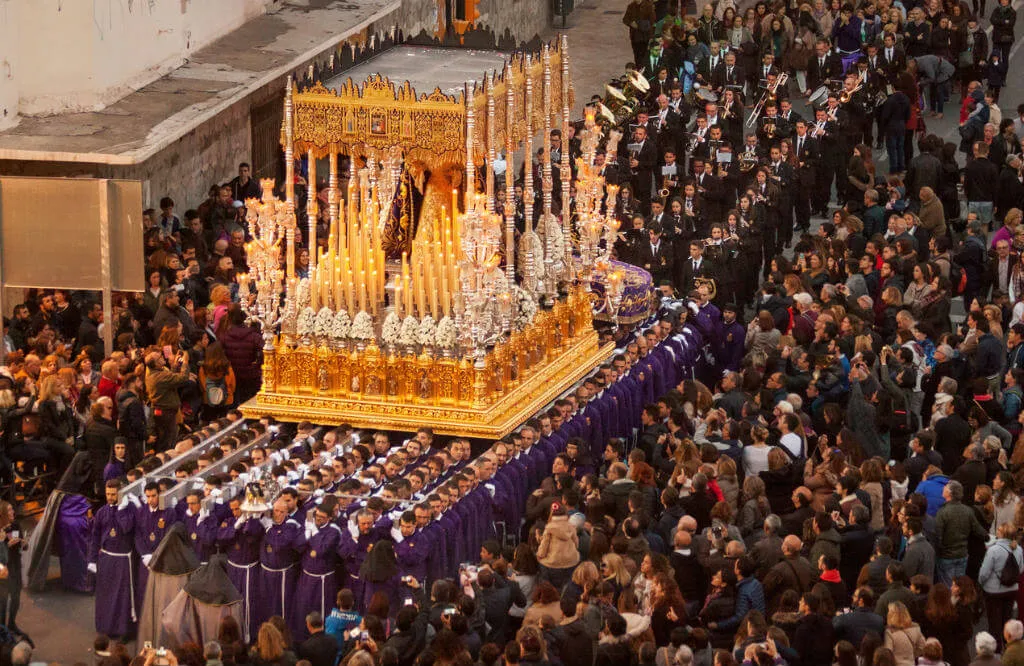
109,388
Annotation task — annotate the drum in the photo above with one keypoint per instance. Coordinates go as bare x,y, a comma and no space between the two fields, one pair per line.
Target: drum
819,96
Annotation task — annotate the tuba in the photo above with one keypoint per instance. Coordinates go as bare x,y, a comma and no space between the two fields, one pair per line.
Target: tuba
709,284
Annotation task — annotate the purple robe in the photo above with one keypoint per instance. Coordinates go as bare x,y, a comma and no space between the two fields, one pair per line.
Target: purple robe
72,544
318,580
353,551
110,548
115,469
242,545
202,534
411,554
283,546
150,527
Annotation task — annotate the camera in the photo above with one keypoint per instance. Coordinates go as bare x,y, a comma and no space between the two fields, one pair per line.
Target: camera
449,611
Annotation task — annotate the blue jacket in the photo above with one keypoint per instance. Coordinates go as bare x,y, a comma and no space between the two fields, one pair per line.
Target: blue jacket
749,595
931,488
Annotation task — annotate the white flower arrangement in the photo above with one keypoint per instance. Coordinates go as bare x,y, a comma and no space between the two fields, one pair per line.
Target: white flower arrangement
526,308
554,239
341,325
362,327
410,331
306,322
444,336
324,320
302,293
425,334
389,331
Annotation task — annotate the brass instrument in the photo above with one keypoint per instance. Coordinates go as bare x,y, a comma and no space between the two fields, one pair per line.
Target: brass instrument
748,160
693,140
666,189
713,146
847,95
769,94
769,128
634,154
709,284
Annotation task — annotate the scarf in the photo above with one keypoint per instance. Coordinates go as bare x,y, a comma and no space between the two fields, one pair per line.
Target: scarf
831,576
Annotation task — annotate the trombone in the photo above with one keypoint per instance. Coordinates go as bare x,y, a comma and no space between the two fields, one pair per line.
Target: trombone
769,92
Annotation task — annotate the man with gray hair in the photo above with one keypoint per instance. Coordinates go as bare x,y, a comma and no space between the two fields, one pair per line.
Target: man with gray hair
767,550
954,524
320,649
212,654
985,646
974,471
1013,654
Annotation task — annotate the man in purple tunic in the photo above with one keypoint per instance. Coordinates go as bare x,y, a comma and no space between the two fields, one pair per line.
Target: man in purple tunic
354,546
240,537
283,545
200,527
112,560
318,583
151,524
411,550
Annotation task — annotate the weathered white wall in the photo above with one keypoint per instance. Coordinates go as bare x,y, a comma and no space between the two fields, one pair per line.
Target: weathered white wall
9,43
85,54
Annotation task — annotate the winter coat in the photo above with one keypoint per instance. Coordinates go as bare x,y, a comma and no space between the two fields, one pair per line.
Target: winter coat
559,545
244,348
933,218
992,566
906,644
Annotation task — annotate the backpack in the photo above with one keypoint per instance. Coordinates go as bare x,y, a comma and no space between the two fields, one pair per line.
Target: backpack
1010,574
216,391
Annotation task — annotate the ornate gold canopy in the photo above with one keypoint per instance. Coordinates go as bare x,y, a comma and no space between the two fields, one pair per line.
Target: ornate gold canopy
380,115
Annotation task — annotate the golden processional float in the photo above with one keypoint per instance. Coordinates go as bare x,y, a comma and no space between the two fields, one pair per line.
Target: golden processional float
444,323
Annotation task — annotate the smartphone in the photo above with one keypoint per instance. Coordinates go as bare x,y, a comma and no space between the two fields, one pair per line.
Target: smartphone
15,534
148,645
407,602
168,352
364,636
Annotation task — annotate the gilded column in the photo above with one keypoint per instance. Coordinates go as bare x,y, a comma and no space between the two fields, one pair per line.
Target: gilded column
510,199
566,166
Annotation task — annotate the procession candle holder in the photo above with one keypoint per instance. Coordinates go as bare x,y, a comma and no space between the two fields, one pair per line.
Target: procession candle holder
266,220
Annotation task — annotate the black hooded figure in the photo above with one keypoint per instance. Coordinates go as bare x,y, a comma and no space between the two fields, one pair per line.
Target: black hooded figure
380,574
173,562
198,609
64,530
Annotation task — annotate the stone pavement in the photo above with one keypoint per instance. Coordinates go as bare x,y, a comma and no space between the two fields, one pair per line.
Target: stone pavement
598,46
